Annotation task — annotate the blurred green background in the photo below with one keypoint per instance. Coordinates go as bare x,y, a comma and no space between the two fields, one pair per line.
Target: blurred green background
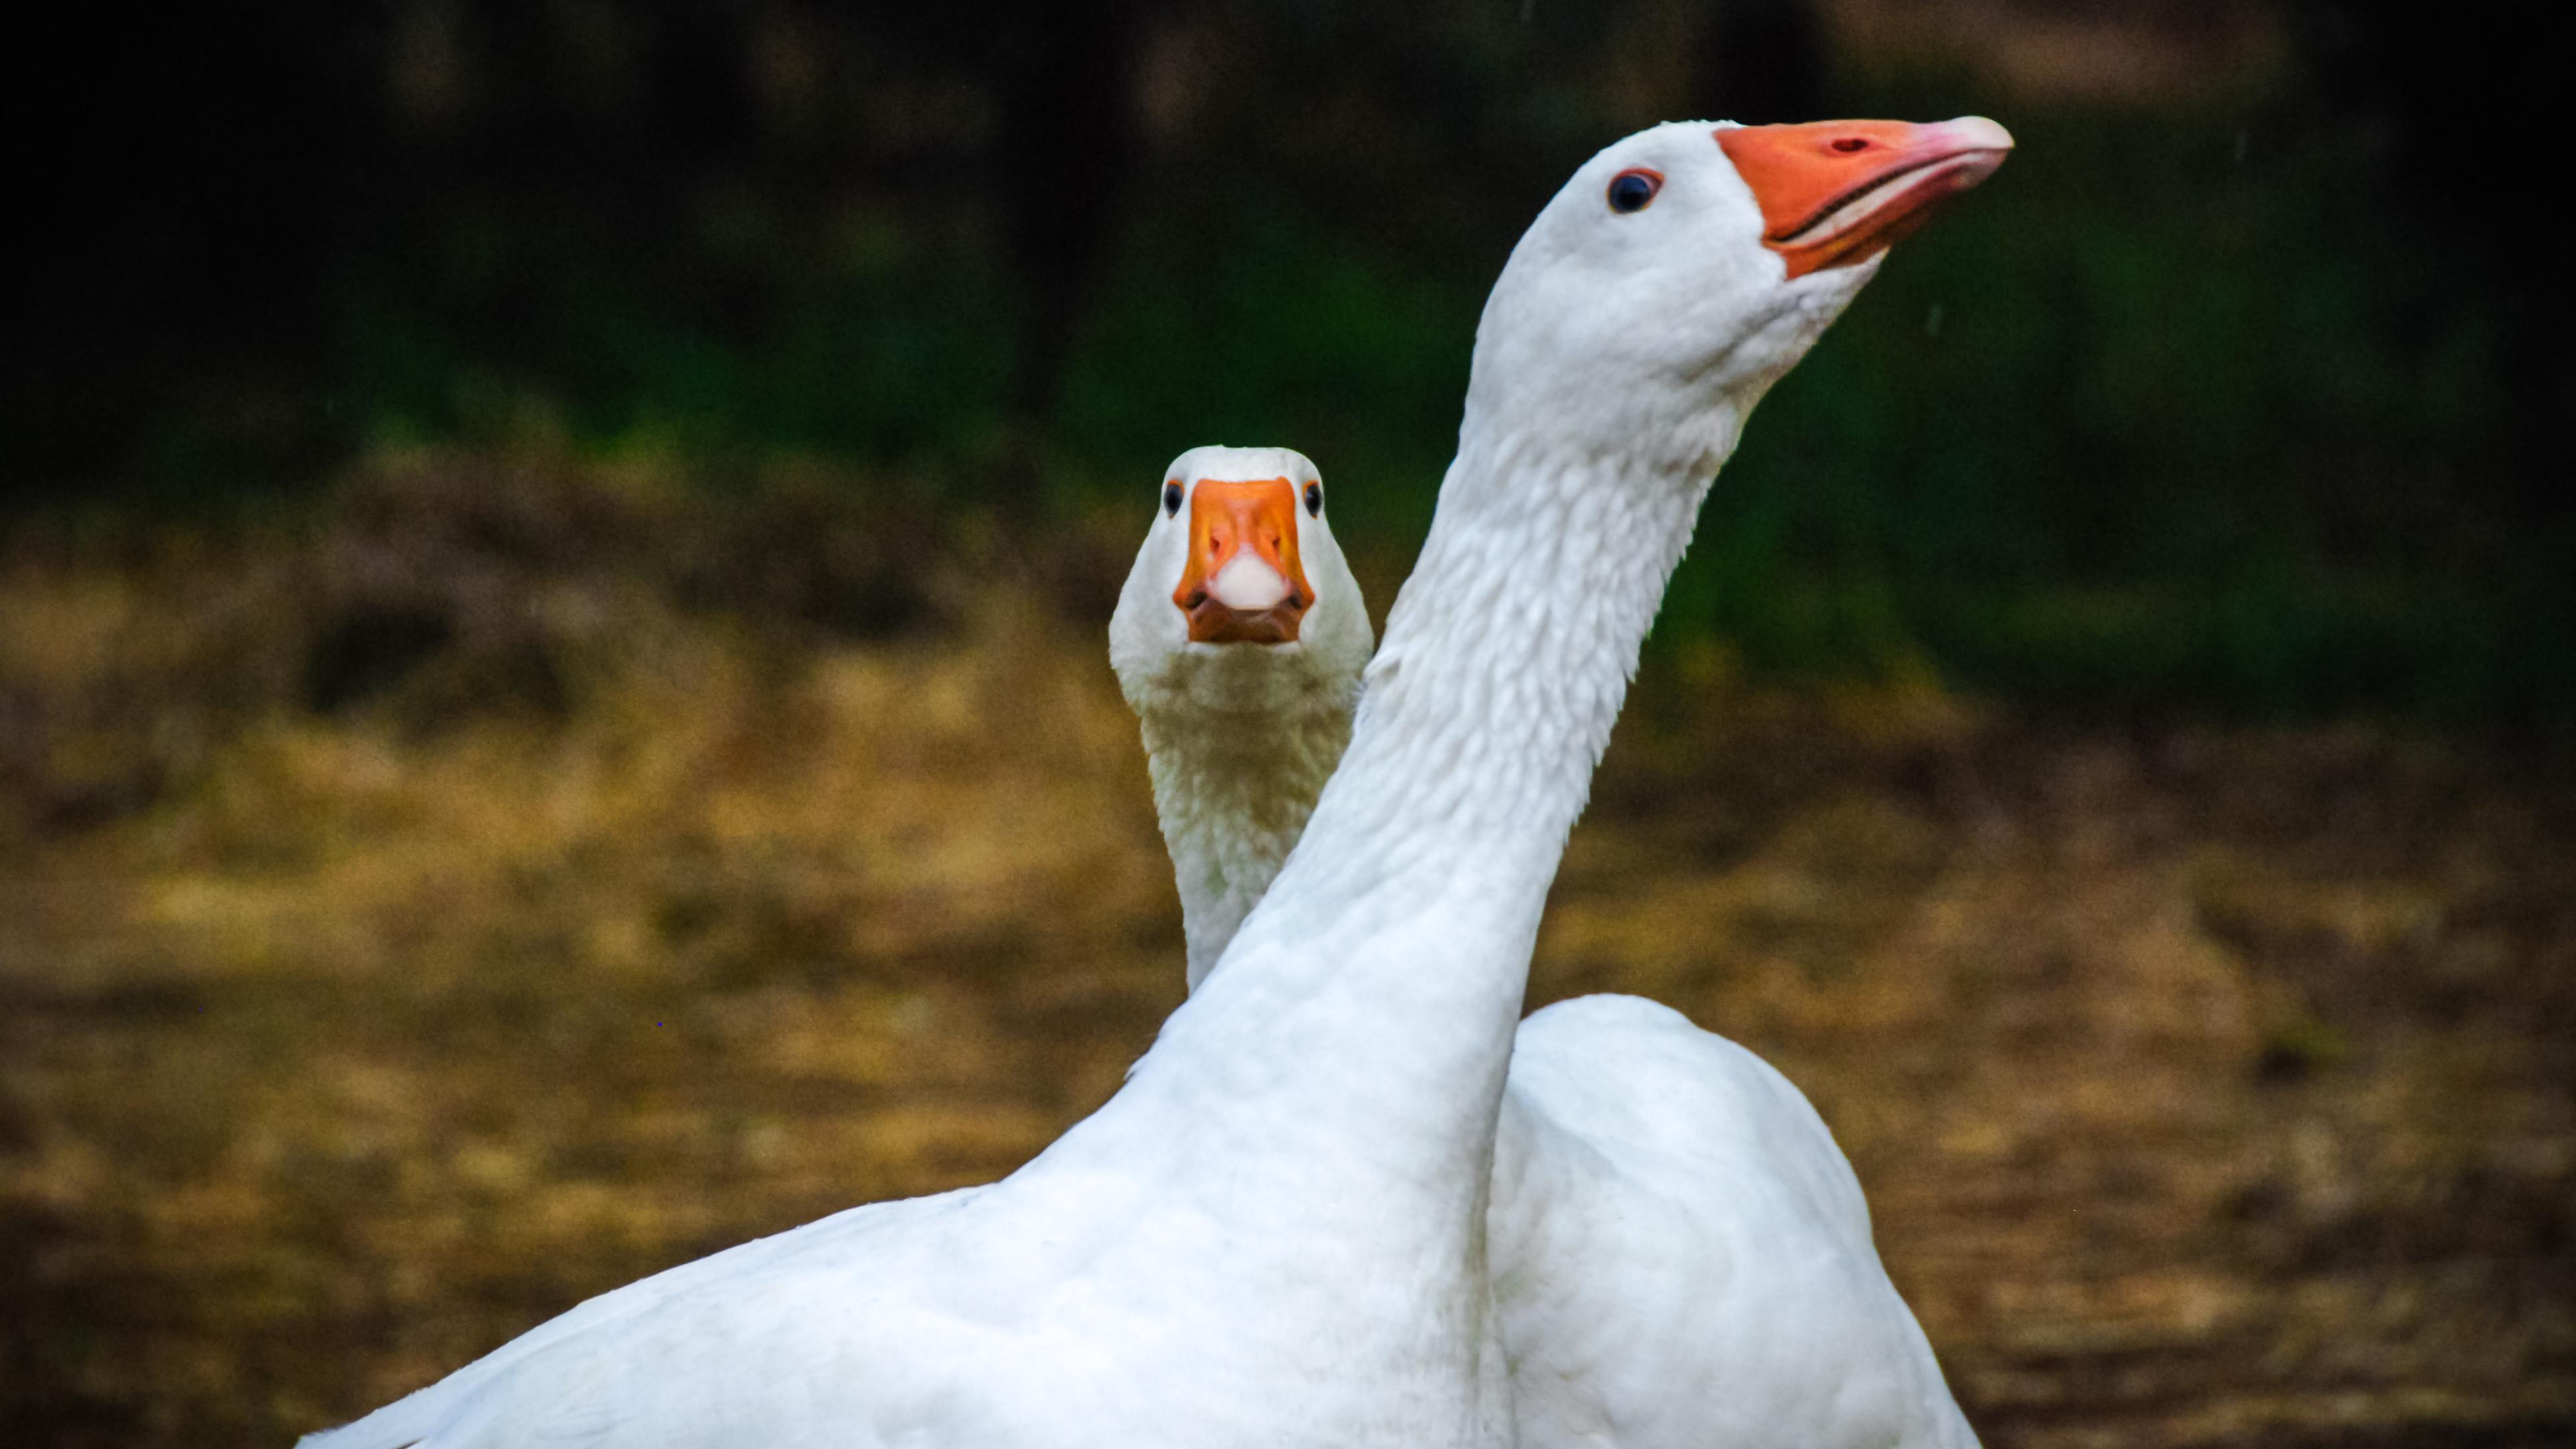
2234,391
553,715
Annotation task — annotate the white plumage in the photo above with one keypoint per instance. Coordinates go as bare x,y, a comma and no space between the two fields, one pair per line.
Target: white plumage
1275,1233
1681,1256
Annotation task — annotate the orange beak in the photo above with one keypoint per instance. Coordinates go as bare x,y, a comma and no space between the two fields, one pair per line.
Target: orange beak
1243,584
1838,192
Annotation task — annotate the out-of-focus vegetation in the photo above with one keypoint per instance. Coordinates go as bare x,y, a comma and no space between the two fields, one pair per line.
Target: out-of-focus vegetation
2228,391
552,710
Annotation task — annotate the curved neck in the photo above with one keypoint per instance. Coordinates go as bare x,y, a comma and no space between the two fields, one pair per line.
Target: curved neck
1506,661
1314,1129
1362,1018
1232,790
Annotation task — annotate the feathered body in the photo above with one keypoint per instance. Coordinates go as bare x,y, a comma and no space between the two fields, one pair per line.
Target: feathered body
1275,1233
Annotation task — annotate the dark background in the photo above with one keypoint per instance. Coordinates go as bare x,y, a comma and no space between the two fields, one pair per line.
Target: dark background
553,719
2239,388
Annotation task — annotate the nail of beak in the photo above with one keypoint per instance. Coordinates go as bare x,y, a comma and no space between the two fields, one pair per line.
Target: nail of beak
1247,582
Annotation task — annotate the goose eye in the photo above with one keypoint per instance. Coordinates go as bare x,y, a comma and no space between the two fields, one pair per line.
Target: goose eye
1172,497
1631,190
1314,500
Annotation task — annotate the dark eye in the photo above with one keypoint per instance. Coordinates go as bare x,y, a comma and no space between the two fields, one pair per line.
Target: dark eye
1631,190
1314,500
1172,497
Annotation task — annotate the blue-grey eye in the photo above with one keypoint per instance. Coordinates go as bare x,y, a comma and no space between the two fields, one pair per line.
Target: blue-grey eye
1631,190
1172,496
1314,500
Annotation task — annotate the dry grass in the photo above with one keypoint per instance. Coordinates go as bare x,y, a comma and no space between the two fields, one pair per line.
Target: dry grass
528,878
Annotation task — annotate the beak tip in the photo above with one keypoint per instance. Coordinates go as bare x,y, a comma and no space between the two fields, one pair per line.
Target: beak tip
1981,133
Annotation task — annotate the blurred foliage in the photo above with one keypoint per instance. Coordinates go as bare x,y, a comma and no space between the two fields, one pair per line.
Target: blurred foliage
2200,403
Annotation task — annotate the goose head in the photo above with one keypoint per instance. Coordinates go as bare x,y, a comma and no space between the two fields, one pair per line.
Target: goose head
1240,601
1685,268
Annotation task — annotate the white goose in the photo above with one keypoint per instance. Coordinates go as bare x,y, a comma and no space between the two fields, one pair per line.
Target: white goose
1680,1254
1238,639
1274,1233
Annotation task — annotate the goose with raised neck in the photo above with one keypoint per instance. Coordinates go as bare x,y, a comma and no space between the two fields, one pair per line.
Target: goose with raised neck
1681,1255
1274,1232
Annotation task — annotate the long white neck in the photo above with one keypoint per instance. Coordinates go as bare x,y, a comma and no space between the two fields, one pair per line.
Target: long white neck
1238,749
1359,1026
1311,1138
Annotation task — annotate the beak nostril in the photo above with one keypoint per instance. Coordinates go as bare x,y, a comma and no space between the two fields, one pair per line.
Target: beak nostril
1850,144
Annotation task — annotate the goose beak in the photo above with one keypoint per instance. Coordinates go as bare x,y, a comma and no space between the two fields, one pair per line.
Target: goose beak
1837,192
1243,584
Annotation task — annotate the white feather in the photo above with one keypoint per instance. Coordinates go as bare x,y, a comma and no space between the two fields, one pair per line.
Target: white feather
1681,1257
1275,1233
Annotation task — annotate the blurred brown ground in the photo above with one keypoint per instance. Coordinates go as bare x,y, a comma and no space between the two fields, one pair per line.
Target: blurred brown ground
526,877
